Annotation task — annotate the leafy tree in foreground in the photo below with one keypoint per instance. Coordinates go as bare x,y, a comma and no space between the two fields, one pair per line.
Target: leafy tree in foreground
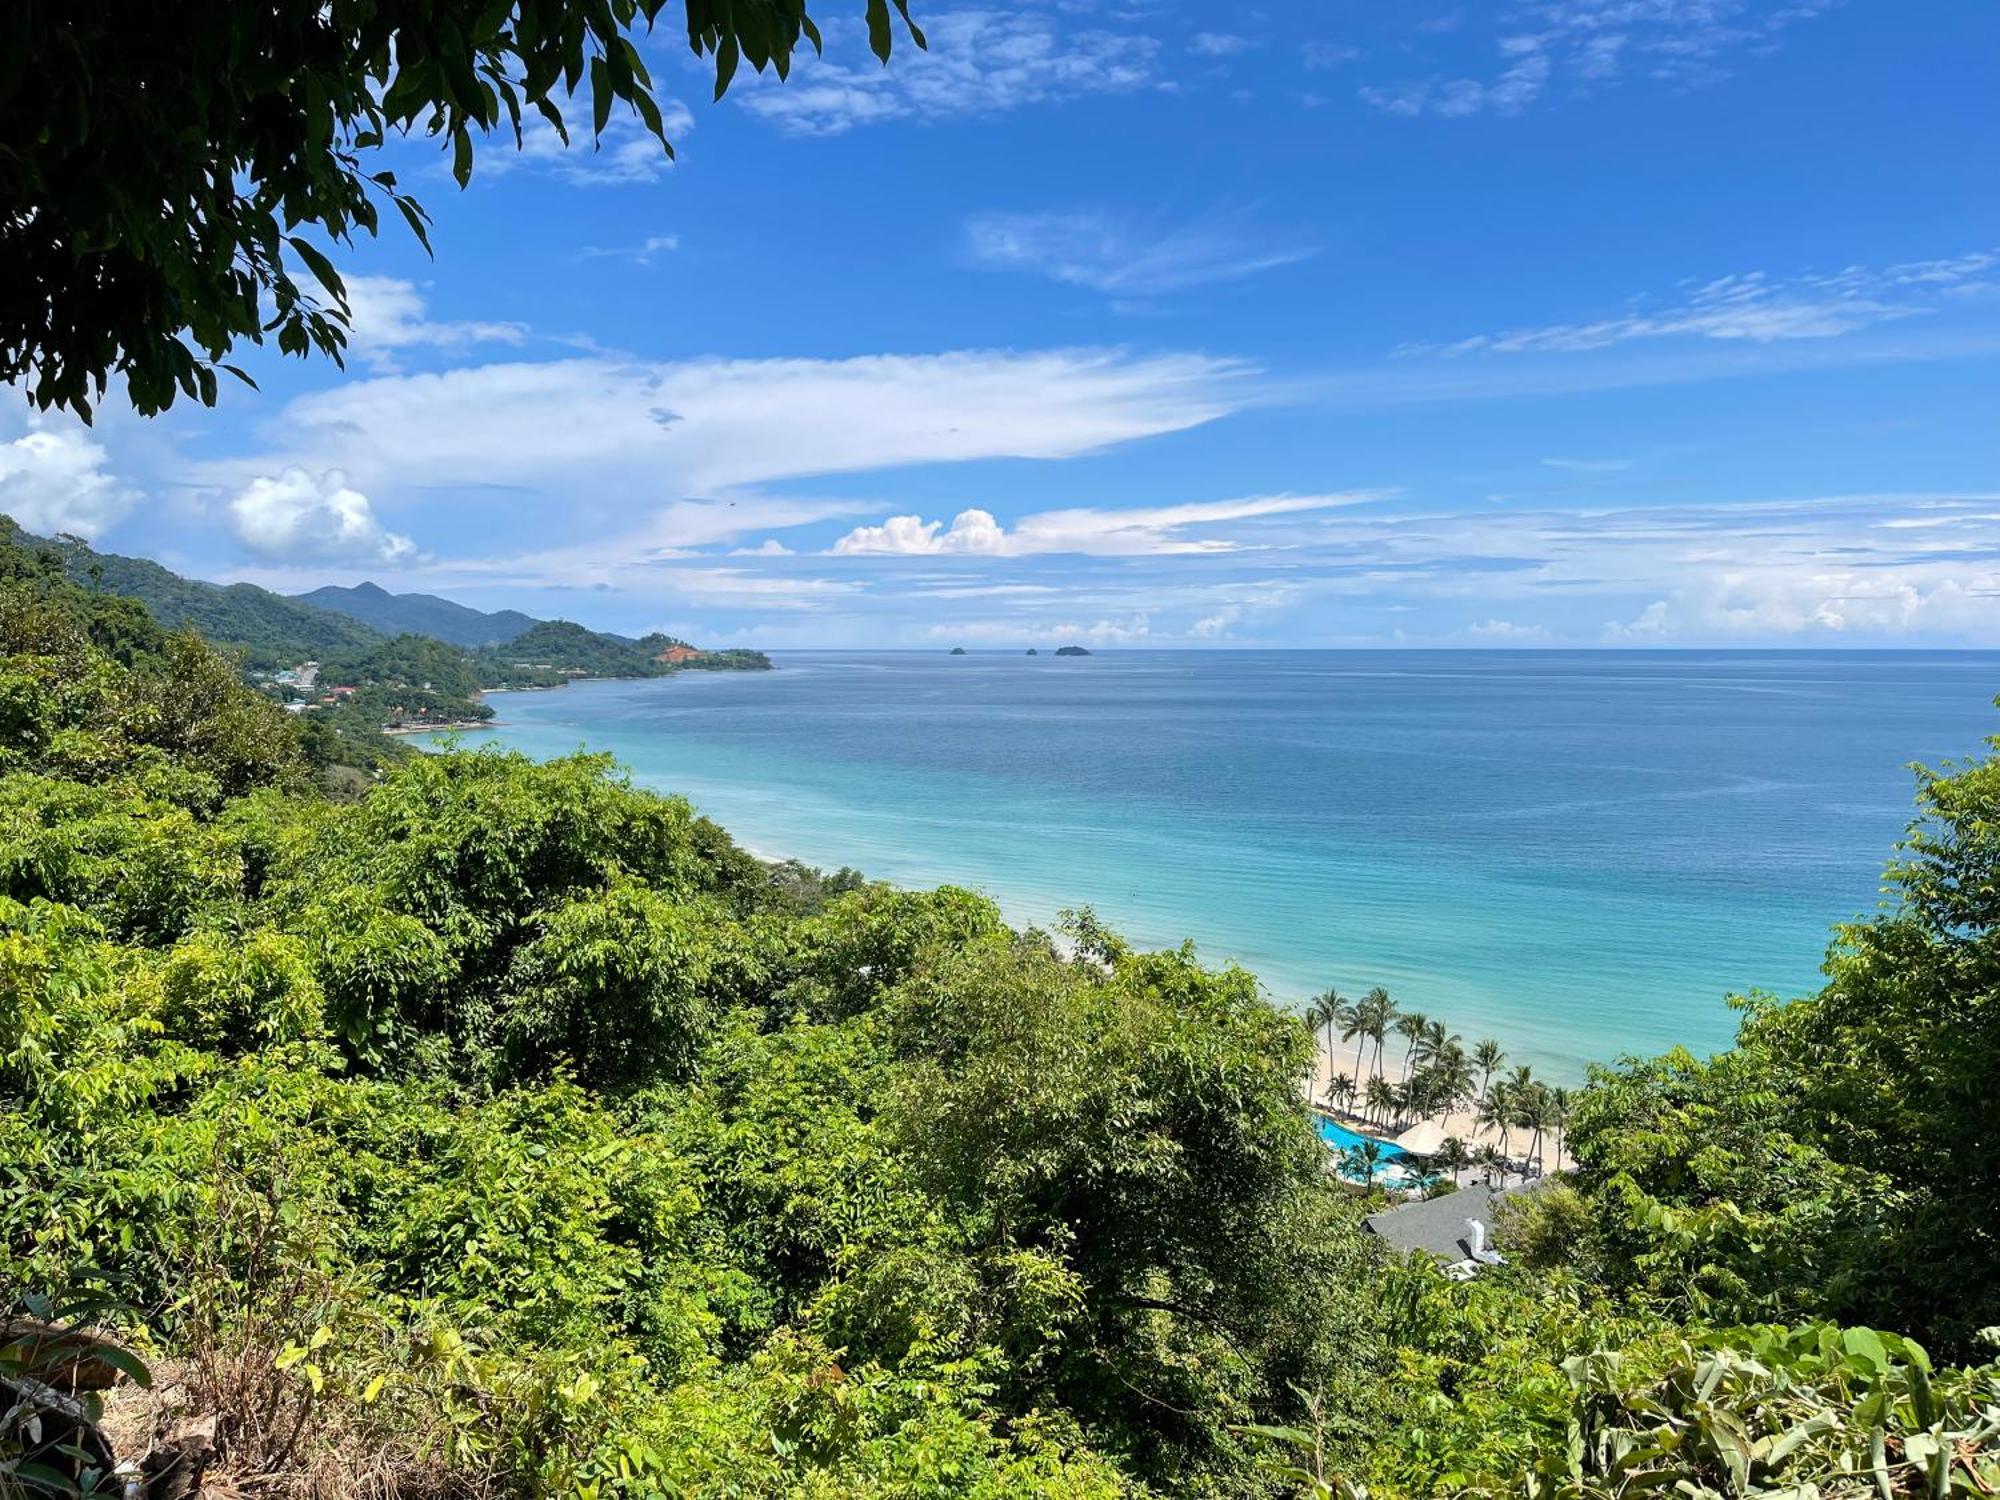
157,163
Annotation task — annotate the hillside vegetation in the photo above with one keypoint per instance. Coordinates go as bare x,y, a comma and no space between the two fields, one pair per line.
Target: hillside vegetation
426,665
509,1131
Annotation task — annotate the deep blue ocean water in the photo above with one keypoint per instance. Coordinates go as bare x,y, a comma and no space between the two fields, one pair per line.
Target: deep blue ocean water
1579,854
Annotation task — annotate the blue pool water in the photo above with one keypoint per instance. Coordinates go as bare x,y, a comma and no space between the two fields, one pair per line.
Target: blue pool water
1577,853
1341,1138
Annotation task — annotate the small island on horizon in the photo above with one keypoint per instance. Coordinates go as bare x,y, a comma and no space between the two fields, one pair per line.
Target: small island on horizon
1071,651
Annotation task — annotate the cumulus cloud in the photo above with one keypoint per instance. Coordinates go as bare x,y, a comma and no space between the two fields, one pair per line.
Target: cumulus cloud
1155,530
1096,251
56,480
299,517
978,63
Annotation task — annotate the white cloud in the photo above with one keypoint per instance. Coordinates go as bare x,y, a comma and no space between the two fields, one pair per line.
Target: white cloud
300,517
55,480
769,547
1506,632
1090,250
1518,86
625,434
1590,465
1212,627
1684,42
642,253
627,155
387,314
1754,308
1322,55
978,63
1143,531
1218,44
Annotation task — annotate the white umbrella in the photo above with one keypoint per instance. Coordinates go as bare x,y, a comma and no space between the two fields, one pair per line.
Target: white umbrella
1425,1138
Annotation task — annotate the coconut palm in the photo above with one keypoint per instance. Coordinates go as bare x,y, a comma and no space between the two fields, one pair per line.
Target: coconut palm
1356,1021
1363,1159
1381,1097
1449,1076
1340,1090
1532,1111
1320,1014
1559,1108
1454,1156
1380,1012
1410,1026
1488,1056
1496,1111
1491,1162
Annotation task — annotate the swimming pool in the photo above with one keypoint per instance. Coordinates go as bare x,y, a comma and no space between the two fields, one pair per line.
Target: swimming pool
1392,1170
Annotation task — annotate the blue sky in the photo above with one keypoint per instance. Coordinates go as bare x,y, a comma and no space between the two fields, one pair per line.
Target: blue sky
1567,322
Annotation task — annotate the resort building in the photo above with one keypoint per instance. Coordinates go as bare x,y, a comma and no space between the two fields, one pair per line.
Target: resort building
677,654
1457,1228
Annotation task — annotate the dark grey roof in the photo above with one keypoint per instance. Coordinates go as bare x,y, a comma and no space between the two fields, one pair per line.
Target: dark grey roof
1437,1225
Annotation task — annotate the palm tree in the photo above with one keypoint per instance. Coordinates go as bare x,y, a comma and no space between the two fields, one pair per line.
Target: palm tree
1381,1097
1450,1078
1341,1090
1381,1014
1496,1110
1491,1160
1355,1021
1532,1112
1321,1012
1559,1107
1453,1156
1489,1057
1364,1158
1410,1026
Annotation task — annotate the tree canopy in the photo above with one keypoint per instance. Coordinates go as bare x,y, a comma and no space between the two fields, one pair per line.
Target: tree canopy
504,1129
164,169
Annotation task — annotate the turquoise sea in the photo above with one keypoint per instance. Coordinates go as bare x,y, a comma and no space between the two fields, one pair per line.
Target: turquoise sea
1577,853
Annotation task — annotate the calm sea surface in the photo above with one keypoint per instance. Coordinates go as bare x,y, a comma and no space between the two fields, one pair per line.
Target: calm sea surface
1577,853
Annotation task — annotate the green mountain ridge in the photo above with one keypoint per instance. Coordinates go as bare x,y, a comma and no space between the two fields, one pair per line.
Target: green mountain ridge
420,660
420,614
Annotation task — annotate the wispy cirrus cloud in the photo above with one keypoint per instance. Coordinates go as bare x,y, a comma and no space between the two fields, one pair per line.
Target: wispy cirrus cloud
1593,42
1093,249
977,63
1756,308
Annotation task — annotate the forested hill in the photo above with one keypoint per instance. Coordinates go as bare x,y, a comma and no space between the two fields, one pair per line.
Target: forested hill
401,675
420,614
268,628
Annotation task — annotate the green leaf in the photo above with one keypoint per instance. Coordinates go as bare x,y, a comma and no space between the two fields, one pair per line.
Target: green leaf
321,268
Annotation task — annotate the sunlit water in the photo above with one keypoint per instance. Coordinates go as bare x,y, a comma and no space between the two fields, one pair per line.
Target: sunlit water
1577,853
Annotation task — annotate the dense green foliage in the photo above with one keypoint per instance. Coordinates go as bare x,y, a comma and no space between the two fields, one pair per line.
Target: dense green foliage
505,1128
269,629
412,678
158,163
